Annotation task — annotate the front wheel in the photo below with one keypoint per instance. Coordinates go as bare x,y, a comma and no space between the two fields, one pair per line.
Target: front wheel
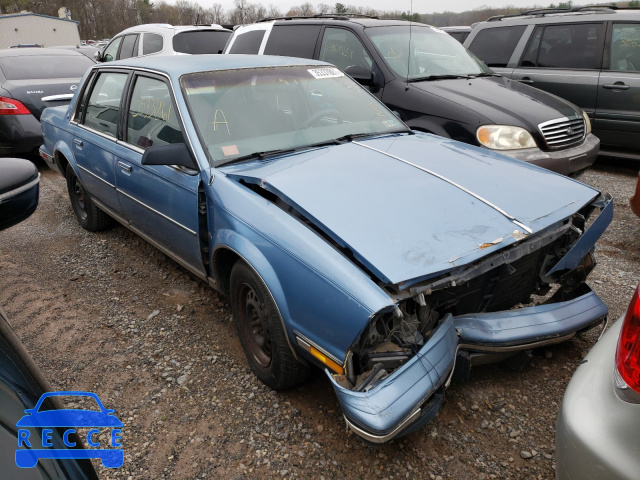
261,331
88,214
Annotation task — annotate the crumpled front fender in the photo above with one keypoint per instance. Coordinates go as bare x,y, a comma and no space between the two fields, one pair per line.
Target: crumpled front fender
395,404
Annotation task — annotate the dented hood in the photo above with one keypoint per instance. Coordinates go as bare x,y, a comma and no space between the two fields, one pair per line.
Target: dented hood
412,206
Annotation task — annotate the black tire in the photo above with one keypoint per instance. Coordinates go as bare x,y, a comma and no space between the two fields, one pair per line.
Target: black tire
261,331
89,216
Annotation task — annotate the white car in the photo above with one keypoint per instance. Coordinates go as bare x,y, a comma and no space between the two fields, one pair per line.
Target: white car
165,39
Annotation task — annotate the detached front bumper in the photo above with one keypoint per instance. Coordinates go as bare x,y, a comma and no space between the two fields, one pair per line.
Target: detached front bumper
569,161
408,398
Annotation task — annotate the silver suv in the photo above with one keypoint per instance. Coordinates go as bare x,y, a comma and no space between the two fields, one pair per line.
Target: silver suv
165,39
589,56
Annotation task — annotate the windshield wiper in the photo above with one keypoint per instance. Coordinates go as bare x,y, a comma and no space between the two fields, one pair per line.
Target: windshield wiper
258,155
355,136
487,74
440,77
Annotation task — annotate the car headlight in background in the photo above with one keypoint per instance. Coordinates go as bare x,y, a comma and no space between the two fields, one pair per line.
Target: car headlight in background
587,123
504,137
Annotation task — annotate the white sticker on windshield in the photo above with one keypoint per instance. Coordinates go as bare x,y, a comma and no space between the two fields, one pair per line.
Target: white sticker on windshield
326,72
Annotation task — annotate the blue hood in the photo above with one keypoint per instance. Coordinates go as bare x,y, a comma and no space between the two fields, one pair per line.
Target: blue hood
412,206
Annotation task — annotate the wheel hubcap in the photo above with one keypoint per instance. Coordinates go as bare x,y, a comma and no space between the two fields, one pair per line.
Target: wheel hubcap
79,194
255,326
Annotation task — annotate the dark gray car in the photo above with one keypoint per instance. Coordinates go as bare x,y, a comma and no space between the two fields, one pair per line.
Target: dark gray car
589,56
32,79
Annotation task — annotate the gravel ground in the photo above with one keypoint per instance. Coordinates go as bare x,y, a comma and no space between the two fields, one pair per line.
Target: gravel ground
108,313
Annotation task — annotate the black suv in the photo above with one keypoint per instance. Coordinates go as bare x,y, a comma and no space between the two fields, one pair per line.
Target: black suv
589,56
435,85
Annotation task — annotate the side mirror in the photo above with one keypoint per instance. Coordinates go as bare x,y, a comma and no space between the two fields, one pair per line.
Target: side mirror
360,74
97,56
19,191
171,154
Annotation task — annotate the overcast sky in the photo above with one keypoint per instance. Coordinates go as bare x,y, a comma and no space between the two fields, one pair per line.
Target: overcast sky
403,5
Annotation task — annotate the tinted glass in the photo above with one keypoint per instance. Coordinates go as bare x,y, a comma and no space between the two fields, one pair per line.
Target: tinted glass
82,103
151,119
423,52
249,110
494,46
625,47
201,42
248,42
111,51
129,47
103,108
342,48
151,43
571,46
459,36
293,40
45,66
530,58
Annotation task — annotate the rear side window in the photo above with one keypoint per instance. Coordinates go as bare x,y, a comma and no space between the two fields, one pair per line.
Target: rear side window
565,46
201,42
151,119
151,43
82,102
248,43
45,66
103,108
494,46
129,47
293,40
625,47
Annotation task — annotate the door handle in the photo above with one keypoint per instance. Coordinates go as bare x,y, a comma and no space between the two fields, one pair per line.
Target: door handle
125,167
616,86
526,80
77,142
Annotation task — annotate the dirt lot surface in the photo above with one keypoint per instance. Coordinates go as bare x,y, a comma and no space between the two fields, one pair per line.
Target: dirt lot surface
108,313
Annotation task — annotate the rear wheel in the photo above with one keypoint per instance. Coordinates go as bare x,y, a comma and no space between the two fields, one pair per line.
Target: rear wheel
88,214
261,331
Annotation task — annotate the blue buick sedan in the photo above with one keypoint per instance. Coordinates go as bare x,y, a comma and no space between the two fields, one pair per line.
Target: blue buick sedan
345,240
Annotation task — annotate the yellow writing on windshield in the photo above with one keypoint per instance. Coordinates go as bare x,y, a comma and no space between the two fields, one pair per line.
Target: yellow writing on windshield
217,122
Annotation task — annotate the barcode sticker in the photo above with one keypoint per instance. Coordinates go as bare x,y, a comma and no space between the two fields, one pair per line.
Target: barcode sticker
325,72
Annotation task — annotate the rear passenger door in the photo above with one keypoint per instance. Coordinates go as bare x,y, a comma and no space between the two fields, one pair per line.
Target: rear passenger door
565,60
617,119
159,201
496,47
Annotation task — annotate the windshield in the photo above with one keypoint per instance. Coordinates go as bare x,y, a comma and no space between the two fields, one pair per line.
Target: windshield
423,52
250,111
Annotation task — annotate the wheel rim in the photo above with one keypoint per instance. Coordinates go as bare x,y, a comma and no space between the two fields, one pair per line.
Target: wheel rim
78,193
254,325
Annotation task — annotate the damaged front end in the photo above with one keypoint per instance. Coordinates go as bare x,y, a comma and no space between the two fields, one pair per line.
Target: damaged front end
529,294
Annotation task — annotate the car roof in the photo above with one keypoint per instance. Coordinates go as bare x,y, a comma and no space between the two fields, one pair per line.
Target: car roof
549,15
337,19
168,28
35,51
178,65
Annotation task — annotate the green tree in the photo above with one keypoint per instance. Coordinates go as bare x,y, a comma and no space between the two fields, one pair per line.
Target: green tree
634,4
341,8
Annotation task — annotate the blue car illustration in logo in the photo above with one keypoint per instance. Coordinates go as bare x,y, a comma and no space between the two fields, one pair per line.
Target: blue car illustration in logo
69,420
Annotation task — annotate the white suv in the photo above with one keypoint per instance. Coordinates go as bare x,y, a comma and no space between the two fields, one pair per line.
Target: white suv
165,39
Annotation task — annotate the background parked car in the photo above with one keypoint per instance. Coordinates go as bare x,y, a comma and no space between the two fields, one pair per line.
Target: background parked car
165,39
460,33
21,381
599,421
87,50
436,86
588,56
32,79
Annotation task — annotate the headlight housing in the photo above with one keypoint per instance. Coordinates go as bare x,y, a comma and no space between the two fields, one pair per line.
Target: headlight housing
504,137
587,123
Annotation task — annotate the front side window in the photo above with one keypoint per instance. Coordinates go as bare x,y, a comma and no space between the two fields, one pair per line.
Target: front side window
248,43
151,43
152,119
111,51
103,107
342,48
565,46
494,46
246,112
423,53
625,47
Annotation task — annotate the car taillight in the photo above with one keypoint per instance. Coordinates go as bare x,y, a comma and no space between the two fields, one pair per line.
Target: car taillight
11,106
628,351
